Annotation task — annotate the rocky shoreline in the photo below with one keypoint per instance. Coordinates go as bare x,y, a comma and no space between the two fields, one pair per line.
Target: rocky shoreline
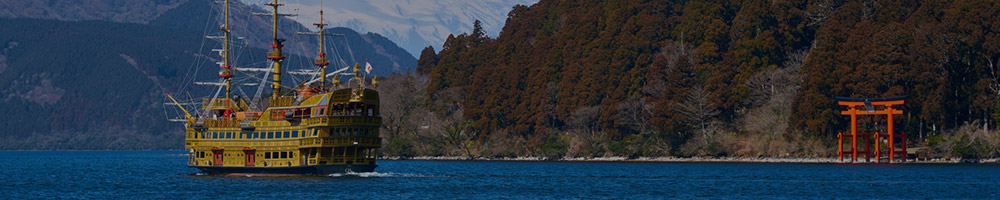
680,159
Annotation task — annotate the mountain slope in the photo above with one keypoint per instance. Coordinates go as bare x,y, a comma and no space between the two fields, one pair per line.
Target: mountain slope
125,11
412,24
383,53
89,84
204,16
84,84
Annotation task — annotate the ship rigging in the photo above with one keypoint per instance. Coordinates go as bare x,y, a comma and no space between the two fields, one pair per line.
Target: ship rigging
312,128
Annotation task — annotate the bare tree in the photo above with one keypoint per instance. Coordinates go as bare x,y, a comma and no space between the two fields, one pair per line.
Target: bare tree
583,121
402,104
697,109
635,113
455,130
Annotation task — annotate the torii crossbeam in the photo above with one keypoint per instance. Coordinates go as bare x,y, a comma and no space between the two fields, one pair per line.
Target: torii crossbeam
872,106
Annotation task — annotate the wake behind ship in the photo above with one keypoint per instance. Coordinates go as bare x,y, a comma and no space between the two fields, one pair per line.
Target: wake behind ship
320,129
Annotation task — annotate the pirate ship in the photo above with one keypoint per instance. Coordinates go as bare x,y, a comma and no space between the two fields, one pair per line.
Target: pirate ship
321,129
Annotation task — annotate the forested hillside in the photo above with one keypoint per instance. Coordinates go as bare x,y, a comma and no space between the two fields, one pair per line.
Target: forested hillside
709,78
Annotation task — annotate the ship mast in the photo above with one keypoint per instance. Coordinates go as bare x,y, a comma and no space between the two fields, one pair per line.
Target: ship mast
226,72
321,60
275,55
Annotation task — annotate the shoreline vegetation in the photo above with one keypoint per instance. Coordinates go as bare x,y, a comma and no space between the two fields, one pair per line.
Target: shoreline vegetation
696,159
692,159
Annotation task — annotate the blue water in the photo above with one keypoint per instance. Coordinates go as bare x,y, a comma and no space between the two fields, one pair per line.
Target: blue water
163,175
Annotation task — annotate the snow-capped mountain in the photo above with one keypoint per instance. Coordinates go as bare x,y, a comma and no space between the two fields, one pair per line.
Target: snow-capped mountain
413,24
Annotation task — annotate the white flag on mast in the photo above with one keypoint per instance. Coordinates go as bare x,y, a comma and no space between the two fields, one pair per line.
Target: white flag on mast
368,67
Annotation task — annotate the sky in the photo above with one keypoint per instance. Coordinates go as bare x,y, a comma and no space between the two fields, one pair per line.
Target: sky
412,24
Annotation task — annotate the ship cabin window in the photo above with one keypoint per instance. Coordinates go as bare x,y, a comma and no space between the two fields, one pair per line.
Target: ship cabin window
286,134
256,135
295,134
267,155
270,135
284,154
315,132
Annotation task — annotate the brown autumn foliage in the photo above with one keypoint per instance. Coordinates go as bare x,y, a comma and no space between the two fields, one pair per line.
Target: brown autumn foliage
709,78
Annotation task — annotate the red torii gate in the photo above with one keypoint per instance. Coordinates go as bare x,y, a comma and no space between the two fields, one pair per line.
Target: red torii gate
869,109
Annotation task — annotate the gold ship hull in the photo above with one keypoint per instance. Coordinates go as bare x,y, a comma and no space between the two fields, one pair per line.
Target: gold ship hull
326,133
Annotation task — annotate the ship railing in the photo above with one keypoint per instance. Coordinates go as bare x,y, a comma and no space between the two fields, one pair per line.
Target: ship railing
342,120
321,60
223,104
247,143
274,54
340,142
222,122
282,101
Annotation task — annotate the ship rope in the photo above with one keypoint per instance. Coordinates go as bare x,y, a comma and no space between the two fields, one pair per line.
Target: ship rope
191,74
212,103
260,89
241,48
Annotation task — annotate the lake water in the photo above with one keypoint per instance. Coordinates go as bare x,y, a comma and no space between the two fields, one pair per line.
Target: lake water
163,175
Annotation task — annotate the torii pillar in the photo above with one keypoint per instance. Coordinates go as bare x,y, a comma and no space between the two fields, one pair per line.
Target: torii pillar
869,105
